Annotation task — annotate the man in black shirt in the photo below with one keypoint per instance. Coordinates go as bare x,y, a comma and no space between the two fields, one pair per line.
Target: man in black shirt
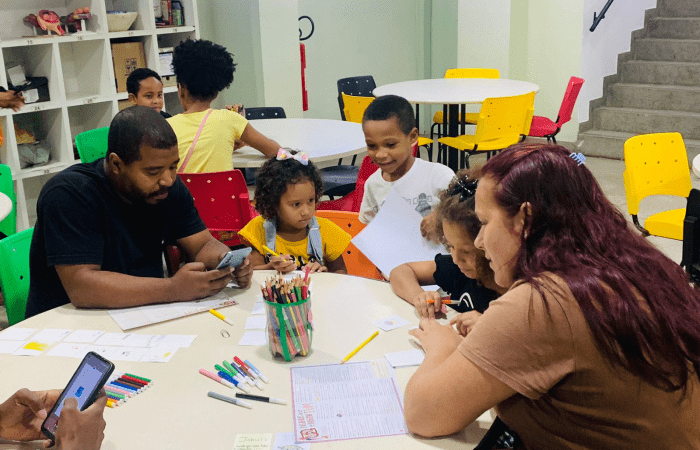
101,227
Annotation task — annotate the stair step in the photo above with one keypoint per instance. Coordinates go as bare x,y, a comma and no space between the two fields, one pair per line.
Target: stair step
680,8
611,144
655,96
661,72
674,27
639,121
679,50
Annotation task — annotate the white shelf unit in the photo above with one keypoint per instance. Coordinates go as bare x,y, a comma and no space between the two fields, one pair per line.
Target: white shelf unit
80,73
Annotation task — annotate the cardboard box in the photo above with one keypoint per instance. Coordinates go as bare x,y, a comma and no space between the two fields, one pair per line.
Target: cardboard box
127,57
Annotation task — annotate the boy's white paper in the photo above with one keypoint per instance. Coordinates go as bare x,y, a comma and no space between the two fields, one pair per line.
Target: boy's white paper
83,336
255,323
51,335
253,337
406,358
393,237
391,323
16,334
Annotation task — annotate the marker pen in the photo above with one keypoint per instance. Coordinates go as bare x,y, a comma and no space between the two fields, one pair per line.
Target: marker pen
235,382
260,398
217,378
255,369
235,401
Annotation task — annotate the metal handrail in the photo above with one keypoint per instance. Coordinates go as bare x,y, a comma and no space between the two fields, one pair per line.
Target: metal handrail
598,17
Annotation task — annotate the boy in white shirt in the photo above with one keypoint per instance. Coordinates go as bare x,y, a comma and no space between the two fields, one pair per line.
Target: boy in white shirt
390,134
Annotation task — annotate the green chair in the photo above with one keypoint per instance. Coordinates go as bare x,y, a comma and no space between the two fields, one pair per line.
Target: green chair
92,144
14,276
8,226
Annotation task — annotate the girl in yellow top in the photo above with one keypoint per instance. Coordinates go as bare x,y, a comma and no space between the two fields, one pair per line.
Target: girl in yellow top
287,236
204,69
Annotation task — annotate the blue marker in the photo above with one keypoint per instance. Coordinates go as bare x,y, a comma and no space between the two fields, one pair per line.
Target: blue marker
230,379
255,369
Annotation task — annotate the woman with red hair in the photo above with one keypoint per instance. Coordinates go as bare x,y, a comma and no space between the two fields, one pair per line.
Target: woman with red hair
596,344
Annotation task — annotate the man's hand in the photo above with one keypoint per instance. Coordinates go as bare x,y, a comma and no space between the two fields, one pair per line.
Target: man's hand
425,309
464,323
193,281
243,273
9,99
22,414
283,263
81,430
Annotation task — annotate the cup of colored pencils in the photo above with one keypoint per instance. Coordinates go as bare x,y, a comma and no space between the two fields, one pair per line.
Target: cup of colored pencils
288,311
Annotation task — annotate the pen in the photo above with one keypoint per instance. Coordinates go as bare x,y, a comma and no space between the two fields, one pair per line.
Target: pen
251,374
230,379
260,398
220,316
235,401
445,301
366,341
216,378
255,369
241,373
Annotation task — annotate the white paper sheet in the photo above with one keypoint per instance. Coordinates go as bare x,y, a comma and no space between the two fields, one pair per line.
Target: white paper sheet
83,336
69,349
16,334
391,323
140,316
254,337
32,348
346,401
253,442
393,237
258,308
255,323
406,358
285,441
10,346
50,335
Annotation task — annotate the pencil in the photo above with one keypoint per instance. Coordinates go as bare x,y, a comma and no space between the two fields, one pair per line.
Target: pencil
445,301
268,250
366,341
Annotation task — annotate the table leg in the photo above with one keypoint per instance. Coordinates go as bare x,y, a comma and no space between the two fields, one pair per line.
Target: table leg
453,130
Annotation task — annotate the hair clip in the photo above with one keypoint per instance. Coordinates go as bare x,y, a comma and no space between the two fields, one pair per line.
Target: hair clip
283,154
579,158
464,187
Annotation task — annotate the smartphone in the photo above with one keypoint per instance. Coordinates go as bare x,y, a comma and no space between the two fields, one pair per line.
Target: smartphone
234,258
85,385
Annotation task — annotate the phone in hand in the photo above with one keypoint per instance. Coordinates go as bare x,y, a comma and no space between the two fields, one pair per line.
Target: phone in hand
234,258
85,385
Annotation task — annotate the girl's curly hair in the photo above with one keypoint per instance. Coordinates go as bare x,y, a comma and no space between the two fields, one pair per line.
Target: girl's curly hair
274,177
454,209
203,67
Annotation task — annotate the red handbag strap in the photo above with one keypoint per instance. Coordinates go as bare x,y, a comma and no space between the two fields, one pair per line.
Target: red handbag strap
194,143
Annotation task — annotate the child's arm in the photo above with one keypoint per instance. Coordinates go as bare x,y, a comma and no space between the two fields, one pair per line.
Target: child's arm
282,263
464,323
337,265
255,139
406,281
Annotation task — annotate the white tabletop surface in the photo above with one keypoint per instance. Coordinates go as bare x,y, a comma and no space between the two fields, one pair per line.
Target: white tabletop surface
5,206
175,413
321,139
456,90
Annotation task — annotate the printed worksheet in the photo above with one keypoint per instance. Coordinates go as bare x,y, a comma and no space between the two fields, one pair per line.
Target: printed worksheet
346,401
140,316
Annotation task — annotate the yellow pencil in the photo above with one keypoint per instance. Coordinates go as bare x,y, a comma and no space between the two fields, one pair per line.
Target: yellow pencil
352,353
268,250
221,316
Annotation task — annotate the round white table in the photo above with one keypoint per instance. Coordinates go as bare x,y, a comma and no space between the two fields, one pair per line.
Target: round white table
321,139
175,413
5,206
453,92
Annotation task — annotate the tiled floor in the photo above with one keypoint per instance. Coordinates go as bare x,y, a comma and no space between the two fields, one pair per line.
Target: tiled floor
609,174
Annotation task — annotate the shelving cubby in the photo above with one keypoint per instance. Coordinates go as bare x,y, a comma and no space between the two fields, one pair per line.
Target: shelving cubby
81,82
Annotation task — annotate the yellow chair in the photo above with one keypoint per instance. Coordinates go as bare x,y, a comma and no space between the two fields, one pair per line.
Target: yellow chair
354,108
657,164
501,122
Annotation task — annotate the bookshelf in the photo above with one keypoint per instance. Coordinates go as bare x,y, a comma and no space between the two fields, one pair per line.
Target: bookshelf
81,83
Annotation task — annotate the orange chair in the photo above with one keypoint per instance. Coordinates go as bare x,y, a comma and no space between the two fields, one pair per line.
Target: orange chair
355,261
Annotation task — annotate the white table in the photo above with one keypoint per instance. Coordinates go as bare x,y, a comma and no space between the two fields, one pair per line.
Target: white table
455,92
175,413
321,139
5,206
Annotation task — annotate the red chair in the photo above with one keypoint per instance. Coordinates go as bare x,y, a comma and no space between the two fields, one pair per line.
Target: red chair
543,127
353,200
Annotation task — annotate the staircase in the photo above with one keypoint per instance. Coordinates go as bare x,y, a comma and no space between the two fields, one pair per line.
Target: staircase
657,87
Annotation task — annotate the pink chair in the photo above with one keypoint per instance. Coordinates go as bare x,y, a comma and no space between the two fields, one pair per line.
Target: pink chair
543,127
353,200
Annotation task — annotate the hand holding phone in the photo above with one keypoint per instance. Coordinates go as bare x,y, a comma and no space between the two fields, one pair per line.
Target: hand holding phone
234,258
84,386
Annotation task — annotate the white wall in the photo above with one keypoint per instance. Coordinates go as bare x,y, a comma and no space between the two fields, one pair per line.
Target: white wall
483,34
360,37
601,47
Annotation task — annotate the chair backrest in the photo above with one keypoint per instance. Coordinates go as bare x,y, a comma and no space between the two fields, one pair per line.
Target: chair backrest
655,164
472,73
570,96
14,276
691,236
355,261
266,112
504,117
367,168
8,225
361,86
92,144
354,106
222,200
